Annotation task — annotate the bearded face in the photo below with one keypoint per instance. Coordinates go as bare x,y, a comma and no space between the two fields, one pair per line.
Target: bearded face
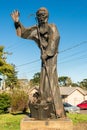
42,15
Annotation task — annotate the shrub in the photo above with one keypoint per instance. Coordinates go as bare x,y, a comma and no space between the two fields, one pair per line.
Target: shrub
19,101
5,101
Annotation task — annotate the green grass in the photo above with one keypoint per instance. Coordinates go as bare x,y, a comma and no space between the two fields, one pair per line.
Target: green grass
77,118
12,122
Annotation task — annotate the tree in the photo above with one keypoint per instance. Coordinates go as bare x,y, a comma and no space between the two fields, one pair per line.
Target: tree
75,85
64,81
5,102
36,79
12,80
1,56
7,70
83,84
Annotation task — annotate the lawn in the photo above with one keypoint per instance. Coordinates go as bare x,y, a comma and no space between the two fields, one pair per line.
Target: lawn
12,122
79,121
78,118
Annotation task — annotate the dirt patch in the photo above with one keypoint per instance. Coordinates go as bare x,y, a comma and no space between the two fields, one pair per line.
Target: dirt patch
80,126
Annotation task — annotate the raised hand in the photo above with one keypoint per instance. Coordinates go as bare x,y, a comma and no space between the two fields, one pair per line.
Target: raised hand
15,15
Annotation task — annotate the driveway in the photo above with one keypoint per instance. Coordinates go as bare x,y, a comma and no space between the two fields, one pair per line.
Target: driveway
83,111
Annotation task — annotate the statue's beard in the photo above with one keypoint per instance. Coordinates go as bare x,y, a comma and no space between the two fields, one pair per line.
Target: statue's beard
42,20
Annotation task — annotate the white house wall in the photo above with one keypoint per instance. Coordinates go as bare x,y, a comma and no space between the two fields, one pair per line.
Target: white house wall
86,97
75,98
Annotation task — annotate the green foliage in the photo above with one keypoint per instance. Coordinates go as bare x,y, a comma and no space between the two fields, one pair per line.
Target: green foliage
5,68
64,81
75,85
12,80
19,101
1,56
83,84
35,80
1,51
5,102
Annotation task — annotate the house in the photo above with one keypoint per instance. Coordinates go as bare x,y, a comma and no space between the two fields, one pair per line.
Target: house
73,95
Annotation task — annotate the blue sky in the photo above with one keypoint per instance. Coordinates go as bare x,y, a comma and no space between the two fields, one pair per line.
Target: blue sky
70,18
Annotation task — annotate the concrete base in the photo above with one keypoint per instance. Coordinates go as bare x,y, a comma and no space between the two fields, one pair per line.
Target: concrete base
49,124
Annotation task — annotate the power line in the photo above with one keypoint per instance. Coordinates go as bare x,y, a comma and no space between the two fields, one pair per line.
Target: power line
29,63
14,46
78,58
59,53
75,54
73,47
67,61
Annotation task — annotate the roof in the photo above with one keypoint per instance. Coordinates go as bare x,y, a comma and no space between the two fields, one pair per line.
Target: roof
64,90
70,90
33,88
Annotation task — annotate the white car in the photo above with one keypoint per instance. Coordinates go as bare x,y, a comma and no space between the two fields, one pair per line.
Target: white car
70,108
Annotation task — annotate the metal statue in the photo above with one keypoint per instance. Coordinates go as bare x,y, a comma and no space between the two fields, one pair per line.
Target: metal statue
49,102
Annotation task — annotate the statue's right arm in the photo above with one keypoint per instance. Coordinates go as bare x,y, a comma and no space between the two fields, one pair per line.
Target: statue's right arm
21,31
26,33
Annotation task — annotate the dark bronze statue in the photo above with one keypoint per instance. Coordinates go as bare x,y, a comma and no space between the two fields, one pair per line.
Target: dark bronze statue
46,36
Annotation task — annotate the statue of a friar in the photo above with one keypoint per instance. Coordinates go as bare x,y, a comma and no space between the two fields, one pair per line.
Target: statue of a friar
47,38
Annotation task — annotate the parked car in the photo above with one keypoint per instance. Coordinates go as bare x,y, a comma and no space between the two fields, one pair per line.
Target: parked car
83,105
70,108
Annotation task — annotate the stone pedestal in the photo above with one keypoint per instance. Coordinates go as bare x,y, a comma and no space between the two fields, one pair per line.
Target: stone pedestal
49,124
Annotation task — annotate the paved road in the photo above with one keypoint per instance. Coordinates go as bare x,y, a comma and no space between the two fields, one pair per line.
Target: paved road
84,111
